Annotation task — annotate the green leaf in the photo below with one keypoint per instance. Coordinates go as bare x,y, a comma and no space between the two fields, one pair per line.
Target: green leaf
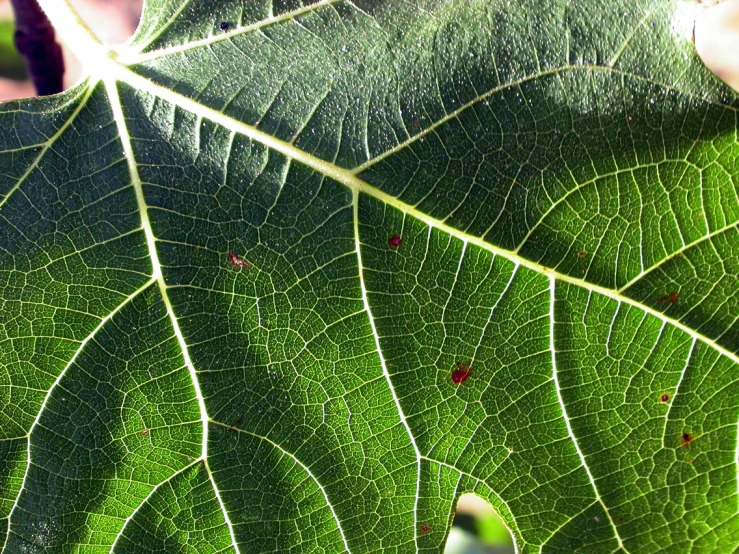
562,178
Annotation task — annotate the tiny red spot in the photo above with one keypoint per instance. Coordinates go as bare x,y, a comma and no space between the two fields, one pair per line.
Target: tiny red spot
665,397
395,241
196,250
687,437
425,528
460,374
581,253
671,298
416,123
238,262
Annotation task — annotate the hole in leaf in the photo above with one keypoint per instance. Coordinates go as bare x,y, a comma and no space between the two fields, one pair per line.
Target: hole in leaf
477,527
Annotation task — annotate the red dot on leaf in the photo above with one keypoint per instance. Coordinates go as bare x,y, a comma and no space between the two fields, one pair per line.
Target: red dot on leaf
581,253
416,123
686,438
395,241
238,262
665,397
425,528
671,298
460,374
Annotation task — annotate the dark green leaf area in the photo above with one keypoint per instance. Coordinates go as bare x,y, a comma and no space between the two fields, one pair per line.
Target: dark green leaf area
438,301
33,122
283,349
72,253
650,408
166,24
275,500
210,192
588,171
13,467
122,419
348,81
306,74
181,516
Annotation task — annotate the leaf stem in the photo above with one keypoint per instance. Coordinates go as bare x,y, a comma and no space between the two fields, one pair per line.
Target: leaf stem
77,36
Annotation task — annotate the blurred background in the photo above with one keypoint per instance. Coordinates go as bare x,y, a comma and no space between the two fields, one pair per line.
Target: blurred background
114,21
476,529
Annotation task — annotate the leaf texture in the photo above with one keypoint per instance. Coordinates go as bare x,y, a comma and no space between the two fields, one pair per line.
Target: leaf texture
211,342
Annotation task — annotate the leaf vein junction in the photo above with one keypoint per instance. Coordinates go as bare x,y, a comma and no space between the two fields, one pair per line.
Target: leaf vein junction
401,413
159,278
353,182
566,418
53,387
303,467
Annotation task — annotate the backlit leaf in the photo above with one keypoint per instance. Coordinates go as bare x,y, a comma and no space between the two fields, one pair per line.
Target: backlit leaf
243,264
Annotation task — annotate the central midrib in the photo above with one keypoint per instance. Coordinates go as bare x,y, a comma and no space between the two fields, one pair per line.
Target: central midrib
106,66
354,183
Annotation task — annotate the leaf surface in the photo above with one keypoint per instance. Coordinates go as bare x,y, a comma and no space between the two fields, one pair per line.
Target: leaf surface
241,262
